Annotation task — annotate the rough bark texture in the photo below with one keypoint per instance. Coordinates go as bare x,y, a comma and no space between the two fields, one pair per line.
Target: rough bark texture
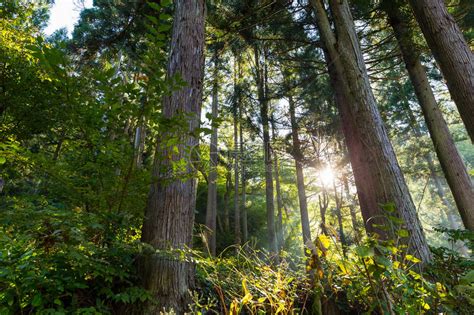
452,54
262,98
380,170
169,215
448,155
211,210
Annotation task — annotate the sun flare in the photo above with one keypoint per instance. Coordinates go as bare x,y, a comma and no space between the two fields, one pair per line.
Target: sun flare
327,176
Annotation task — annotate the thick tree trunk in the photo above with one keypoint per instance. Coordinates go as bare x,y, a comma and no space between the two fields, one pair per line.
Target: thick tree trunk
211,210
169,214
262,98
448,155
452,54
279,223
380,172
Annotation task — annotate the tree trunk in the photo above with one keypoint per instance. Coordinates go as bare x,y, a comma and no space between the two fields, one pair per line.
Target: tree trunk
350,199
342,236
452,53
169,215
228,187
380,174
211,210
237,233
448,208
279,223
242,173
323,207
298,156
448,155
263,101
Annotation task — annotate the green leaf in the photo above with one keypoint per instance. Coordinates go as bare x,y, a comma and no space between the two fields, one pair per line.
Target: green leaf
2,160
153,19
412,259
166,3
154,6
403,233
37,300
364,251
164,16
383,261
468,278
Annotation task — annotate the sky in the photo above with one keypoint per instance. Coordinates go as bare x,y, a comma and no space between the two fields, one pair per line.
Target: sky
65,13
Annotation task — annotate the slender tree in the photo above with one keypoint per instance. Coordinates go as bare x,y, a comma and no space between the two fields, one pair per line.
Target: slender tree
260,77
452,54
298,156
211,210
169,214
279,199
242,154
237,225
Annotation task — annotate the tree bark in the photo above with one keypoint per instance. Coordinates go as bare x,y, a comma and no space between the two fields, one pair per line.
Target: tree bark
242,173
298,156
211,210
452,53
350,199
169,215
263,101
279,223
228,188
451,162
323,207
237,233
342,236
380,180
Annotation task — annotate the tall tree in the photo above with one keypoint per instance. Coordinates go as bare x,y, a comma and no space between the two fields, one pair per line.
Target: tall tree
243,207
448,155
211,210
169,214
379,180
452,54
298,157
237,227
279,199
262,90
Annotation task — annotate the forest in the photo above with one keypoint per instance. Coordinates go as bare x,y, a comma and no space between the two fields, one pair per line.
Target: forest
237,157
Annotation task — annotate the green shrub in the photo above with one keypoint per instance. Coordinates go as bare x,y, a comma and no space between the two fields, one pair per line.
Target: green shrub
55,260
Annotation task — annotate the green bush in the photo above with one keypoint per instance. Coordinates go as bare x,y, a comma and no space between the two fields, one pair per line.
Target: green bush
55,260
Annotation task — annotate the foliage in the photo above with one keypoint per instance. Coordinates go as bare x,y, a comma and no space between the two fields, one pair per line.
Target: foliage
249,283
58,260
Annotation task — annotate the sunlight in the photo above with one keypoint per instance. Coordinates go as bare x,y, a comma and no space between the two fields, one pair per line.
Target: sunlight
327,176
